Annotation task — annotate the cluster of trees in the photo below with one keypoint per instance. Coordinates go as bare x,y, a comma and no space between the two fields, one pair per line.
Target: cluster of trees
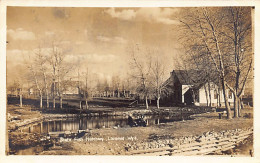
148,71
47,71
218,43
117,87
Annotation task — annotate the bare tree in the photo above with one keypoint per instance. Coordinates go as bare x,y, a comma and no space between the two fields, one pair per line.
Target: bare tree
158,71
118,86
87,89
42,60
18,85
37,83
38,69
238,32
198,69
224,34
59,70
116,83
141,71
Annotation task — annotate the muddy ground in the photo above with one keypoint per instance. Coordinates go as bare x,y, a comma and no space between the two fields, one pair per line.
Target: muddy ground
116,141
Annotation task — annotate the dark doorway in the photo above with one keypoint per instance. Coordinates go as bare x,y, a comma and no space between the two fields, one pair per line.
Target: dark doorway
188,100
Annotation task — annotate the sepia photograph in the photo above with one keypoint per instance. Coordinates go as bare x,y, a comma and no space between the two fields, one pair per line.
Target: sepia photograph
130,81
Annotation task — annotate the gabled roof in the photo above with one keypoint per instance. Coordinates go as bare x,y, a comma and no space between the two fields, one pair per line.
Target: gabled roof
195,78
188,77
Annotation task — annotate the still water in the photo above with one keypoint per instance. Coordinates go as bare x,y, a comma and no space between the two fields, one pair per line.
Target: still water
83,123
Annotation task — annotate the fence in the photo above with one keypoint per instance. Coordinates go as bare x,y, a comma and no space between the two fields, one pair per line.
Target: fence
210,142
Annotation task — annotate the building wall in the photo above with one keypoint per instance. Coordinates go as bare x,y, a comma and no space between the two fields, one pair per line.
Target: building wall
214,100
177,92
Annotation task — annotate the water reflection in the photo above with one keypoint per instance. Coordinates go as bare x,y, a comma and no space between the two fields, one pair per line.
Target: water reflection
83,123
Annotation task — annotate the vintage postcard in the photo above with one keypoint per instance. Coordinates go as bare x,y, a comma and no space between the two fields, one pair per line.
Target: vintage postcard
130,81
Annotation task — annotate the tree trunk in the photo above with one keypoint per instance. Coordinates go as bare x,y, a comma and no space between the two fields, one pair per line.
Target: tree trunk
229,116
54,94
158,102
54,102
218,98
118,94
86,103
210,103
21,98
206,93
80,105
41,100
241,103
60,102
235,106
46,89
146,102
47,98
239,107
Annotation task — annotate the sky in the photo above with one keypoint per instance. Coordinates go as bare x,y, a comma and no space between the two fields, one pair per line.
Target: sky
97,38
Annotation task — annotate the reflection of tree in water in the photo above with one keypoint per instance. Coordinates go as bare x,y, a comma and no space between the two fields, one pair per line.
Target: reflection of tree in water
97,125
80,123
83,123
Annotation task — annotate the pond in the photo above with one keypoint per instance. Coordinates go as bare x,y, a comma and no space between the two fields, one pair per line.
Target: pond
56,128
83,123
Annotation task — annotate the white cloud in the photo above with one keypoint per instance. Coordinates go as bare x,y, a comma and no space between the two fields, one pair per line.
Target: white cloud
115,39
126,14
21,34
16,56
168,21
91,58
158,15
97,58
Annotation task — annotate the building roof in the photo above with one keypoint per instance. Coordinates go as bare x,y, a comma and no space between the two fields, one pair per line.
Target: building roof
188,77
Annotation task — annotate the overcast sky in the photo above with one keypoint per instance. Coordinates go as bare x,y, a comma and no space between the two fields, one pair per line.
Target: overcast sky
98,36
